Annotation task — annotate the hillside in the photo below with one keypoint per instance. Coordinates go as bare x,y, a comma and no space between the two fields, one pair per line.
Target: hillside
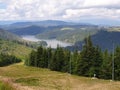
8,36
30,30
9,25
65,31
13,48
31,78
5,86
38,27
42,23
104,39
70,34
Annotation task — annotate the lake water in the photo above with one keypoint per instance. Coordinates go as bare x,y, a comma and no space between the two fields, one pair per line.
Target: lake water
51,42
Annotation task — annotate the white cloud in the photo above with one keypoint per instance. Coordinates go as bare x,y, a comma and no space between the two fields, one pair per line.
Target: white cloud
59,9
92,3
93,12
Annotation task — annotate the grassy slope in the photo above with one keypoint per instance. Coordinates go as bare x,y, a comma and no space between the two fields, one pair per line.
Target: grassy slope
44,79
117,29
13,48
5,86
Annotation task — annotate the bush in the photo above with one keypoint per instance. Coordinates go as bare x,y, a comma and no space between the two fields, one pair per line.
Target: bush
8,59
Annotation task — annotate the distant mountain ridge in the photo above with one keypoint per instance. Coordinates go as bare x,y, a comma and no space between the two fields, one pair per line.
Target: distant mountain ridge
65,31
45,23
104,39
30,30
8,36
49,23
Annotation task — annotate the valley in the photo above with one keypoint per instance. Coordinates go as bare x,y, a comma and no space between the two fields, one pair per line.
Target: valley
50,42
23,42
59,45
70,35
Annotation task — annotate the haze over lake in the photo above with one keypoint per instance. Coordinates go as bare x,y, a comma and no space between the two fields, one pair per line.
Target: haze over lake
50,42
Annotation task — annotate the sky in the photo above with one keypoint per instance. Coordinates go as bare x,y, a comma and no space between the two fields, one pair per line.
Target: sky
93,11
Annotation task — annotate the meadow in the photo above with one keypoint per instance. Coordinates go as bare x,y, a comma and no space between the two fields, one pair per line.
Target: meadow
22,77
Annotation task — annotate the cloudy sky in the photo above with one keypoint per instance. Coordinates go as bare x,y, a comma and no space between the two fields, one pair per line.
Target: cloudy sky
96,11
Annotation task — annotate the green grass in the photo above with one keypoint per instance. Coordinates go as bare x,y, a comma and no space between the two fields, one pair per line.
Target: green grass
44,79
116,29
67,28
18,50
5,86
28,81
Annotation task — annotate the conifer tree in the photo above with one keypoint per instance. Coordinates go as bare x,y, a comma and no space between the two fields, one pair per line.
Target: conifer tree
32,58
106,67
39,58
74,62
91,59
86,58
96,62
53,61
57,60
117,64
49,56
66,66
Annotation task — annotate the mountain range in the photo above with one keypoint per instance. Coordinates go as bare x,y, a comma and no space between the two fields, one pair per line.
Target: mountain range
71,32
6,35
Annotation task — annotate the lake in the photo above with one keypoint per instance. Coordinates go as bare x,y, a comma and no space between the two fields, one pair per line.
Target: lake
51,42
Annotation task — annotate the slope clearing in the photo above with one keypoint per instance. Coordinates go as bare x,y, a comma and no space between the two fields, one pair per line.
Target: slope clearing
31,78
13,48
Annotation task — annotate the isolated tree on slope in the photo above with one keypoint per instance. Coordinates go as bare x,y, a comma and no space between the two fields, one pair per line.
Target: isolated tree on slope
91,59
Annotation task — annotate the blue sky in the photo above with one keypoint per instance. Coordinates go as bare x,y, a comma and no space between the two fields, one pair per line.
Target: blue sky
2,5
93,11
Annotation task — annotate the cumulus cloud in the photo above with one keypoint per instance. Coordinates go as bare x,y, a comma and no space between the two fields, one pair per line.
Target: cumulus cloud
59,9
93,12
101,3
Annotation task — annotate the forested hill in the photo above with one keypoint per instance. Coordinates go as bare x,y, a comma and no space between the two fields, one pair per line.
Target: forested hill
104,39
30,30
8,36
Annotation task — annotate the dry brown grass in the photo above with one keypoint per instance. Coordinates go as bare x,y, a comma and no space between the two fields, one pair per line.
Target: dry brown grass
31,78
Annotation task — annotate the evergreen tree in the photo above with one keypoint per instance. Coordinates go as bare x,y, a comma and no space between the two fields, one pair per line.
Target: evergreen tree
66,61
53,62
44,59
74,62
40,58
57,60
96,62
6,59
86,58
117,63
49,56
91,59
32,59
106,67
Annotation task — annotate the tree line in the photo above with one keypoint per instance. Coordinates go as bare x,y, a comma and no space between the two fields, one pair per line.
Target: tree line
90,61
6,59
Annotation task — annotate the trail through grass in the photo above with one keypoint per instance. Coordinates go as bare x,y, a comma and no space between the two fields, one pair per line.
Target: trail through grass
32,78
